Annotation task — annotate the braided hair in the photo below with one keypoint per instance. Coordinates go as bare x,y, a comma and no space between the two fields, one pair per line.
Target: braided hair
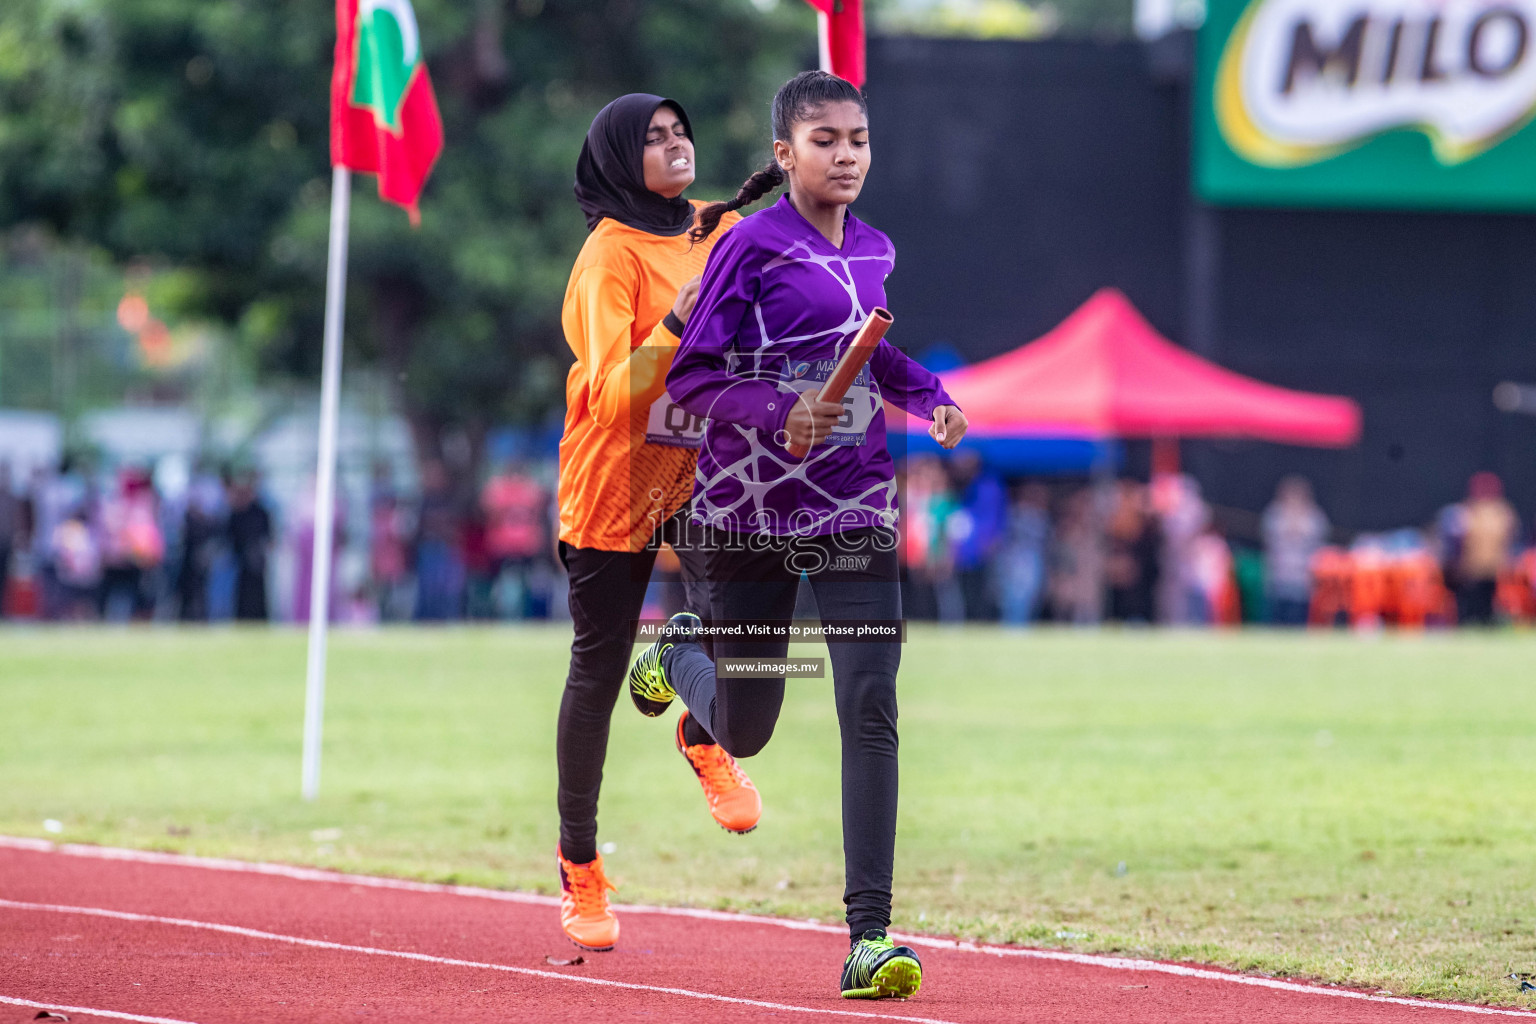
797,100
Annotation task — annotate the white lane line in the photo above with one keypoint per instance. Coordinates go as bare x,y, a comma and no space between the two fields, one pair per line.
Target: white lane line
61,1008
276,870
296,940
1113,963
1116,963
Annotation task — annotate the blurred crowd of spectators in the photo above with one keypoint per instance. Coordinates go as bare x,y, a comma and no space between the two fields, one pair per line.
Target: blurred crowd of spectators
977,548
75,545
114,553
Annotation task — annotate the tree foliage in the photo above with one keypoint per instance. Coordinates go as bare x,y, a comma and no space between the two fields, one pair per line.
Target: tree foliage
195,134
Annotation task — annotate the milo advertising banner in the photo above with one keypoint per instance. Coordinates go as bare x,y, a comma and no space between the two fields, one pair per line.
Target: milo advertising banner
1373,103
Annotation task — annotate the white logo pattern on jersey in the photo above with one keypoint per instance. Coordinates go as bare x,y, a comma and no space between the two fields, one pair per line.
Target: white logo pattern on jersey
747,471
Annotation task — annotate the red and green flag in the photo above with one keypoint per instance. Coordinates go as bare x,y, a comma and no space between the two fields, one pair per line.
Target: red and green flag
384,117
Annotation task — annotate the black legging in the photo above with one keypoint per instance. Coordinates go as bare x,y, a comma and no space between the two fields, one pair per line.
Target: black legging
607,595
854,577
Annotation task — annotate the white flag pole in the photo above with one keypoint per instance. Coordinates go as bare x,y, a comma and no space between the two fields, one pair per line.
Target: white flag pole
824,40
325,478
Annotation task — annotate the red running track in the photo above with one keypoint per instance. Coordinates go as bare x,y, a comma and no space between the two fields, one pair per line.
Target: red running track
109,935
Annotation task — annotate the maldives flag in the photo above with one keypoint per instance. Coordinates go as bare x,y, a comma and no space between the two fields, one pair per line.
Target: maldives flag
845,37
384,117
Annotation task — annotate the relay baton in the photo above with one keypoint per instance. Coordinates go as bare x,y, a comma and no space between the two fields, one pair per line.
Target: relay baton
852,363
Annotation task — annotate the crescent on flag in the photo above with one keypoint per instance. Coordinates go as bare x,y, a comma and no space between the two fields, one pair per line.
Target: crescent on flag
388,54
405,18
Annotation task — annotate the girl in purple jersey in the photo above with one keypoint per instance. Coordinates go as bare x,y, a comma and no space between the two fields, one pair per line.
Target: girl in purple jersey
783,295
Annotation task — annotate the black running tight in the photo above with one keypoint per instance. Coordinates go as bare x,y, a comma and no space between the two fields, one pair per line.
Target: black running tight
607,595
854,578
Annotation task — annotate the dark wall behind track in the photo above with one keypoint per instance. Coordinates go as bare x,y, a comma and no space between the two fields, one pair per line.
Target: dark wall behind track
1017,178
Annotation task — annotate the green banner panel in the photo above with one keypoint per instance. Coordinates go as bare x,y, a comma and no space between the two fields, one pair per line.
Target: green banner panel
1417,104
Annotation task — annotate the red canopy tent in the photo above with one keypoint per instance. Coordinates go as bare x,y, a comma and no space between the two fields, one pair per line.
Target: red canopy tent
1105,371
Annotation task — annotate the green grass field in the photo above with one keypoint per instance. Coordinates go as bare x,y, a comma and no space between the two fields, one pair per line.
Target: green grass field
1358,810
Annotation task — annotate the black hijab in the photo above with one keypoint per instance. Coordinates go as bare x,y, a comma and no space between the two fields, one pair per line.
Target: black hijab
610,175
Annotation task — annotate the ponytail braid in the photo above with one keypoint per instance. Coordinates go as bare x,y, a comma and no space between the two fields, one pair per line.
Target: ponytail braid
753,189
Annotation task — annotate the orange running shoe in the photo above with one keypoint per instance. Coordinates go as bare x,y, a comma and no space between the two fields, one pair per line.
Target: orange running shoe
584,912
733,801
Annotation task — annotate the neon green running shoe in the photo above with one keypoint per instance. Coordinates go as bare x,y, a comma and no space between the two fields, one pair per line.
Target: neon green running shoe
877,968
648,684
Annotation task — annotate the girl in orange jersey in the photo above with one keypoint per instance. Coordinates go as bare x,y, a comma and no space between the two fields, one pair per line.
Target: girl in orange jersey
627,462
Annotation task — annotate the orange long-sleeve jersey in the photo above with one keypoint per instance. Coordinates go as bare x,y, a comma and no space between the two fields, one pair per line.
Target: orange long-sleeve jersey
615,486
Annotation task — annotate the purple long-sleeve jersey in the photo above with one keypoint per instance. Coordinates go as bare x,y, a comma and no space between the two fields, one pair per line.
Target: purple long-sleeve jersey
778,305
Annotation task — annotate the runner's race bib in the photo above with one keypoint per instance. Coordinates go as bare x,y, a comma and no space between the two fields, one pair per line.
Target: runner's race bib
671,424
859,404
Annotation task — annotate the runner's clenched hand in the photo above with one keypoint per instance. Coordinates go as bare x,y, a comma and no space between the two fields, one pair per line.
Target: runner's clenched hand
948,426
811,420
687,295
